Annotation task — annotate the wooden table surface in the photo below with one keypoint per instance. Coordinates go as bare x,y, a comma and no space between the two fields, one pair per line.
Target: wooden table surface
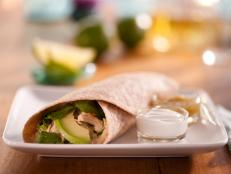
15,65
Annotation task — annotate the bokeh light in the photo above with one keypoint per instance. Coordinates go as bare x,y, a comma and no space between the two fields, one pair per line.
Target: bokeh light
161,44
209,57
144,21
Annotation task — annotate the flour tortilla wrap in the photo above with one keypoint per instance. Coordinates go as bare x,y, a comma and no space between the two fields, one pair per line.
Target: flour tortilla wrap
120,97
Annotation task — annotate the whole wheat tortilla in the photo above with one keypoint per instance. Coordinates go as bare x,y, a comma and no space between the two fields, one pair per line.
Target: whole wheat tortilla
120,97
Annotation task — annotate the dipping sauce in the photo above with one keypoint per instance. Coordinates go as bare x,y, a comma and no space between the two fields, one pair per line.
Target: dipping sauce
162,123
188,99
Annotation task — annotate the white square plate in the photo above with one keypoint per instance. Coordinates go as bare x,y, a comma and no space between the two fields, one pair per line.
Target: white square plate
29,99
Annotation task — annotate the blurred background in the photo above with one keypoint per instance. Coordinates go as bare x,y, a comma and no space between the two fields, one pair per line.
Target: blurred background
77,42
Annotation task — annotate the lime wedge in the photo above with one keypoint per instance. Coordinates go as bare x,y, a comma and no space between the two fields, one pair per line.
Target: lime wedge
71,57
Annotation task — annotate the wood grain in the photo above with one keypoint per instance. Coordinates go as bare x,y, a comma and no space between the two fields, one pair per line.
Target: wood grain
16,63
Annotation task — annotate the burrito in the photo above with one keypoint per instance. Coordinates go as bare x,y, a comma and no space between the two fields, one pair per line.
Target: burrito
96,114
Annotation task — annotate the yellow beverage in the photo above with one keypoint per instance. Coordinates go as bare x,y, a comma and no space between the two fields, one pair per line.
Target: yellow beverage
169,34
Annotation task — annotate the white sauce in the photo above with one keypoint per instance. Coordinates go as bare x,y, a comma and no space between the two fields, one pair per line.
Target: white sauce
161,123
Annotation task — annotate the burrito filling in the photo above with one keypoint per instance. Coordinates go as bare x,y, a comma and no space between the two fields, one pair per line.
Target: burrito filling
80,122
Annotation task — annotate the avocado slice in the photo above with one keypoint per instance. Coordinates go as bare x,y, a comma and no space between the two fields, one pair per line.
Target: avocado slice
71,131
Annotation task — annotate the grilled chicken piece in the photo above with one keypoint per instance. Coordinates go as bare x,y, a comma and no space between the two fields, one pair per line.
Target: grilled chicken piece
52,128
91,120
